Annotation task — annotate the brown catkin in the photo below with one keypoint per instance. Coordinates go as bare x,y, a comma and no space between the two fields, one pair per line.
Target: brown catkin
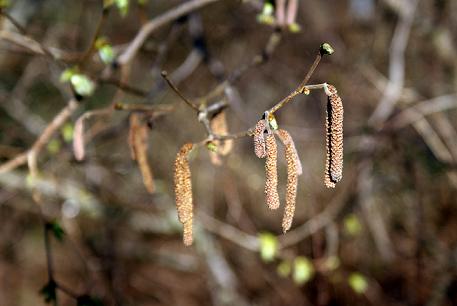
259,139
334,138
292,178
138,140
287,140
183,191
187,236
271,172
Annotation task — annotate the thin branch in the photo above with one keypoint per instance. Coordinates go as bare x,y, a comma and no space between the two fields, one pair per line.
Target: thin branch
300,88
43,139
156,23
176,90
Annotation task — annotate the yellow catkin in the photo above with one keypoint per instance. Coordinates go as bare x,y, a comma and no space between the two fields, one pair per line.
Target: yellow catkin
271,172
183,191
334,139
259,139
292,178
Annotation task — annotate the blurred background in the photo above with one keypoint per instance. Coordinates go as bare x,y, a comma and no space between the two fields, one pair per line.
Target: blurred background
85,230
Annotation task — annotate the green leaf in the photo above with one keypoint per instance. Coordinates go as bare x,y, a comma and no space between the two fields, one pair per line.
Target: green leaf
107,3
82,84
332,263
54,146
142,2
105,50
123,6
49,292
211,146
326,49
352,225
358,282
294,27
86,300
67,132
284,268
268,246
56,230
67,74
303,270
4,3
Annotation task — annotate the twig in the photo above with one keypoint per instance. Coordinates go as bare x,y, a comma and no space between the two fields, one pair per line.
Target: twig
394,87
176,90
43,139
300,88
156,23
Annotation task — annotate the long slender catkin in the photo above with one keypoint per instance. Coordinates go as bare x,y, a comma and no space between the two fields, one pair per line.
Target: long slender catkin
271,172
334,138
292,178
183,191
259,139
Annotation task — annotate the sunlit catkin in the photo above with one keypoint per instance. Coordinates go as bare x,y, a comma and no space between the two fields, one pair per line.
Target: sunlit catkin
292,178
187,233
183,191
334,138
271,172
287,140
259,139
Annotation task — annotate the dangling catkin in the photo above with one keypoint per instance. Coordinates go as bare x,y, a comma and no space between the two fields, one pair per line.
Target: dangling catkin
292,178
183,191
271,172
138,140
259,139
187,236
287,140
334,138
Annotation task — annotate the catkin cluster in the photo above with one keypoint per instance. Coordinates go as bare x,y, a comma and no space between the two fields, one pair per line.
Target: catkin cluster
183,191
265,147
334,138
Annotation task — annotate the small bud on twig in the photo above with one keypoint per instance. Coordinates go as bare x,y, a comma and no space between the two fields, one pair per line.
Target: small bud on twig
326,49
293,169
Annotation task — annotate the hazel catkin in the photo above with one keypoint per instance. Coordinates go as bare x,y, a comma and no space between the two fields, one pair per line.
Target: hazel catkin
183,191
271,172
293,163
334,138
259,139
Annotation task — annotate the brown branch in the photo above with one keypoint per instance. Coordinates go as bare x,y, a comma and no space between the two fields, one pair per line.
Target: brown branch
300,88
43,139
156,23
176,90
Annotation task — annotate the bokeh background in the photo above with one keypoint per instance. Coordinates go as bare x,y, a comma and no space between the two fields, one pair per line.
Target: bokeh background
386,235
